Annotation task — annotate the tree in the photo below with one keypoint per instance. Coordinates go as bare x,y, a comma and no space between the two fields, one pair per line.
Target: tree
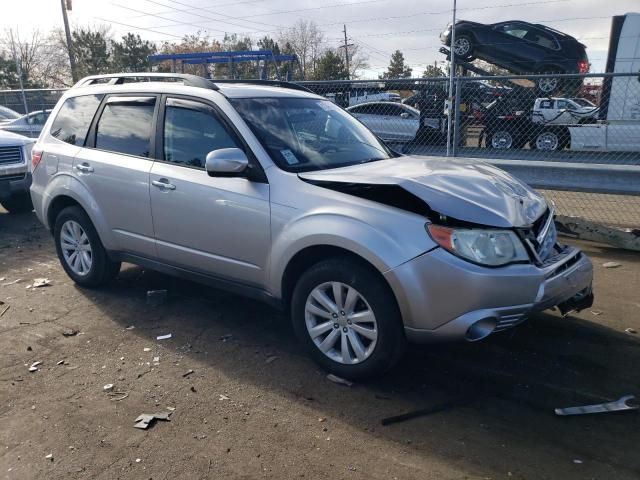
8,74
433,71
130,55
196,42
91,50
397,68
330,67
358,61
305,39
28,54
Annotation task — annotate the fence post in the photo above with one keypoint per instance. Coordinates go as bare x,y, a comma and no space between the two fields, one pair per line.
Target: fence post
456,118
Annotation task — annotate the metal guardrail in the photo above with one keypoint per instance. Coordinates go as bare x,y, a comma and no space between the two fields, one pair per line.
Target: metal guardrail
575,177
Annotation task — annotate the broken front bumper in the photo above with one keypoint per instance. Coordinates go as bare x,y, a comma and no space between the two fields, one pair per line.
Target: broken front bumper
442,297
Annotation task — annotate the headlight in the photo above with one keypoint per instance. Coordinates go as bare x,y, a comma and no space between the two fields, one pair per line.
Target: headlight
486,247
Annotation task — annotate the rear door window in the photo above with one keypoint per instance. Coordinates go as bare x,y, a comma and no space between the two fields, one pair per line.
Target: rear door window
514,29
542,38
191,130
125,125
74,119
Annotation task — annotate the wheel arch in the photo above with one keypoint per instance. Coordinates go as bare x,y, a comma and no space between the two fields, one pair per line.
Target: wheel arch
64,191
304,259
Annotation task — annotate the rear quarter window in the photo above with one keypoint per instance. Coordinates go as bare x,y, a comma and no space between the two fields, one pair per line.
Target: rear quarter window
74,119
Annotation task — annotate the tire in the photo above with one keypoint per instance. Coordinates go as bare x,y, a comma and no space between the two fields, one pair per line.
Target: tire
548,85
551,140
91,266
18,203
501,139
463,47
373,346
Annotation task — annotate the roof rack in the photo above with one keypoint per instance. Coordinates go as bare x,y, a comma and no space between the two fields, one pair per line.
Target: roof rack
188,80
270,83
120,78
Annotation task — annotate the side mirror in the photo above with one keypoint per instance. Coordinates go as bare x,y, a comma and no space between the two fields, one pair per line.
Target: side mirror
226,162
404,115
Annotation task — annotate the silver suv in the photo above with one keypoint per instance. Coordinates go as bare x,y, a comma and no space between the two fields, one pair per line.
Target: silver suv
273,192
15,154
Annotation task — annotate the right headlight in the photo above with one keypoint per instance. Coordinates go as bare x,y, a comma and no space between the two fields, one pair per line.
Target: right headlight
483,246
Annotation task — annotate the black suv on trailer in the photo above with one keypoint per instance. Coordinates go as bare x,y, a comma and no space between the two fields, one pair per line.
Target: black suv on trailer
521,48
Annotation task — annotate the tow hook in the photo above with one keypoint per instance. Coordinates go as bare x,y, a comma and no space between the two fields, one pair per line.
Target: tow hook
580,301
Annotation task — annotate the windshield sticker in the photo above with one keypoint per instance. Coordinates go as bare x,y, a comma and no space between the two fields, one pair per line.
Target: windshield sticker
289,157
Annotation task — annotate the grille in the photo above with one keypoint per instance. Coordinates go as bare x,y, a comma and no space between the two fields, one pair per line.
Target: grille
542,237
10,155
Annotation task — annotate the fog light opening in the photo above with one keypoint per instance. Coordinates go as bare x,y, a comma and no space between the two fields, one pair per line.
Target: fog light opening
481,329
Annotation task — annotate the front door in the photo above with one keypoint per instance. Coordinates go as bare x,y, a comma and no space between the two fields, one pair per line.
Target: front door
215,225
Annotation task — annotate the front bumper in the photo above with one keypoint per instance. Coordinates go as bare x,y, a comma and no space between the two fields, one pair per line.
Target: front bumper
15,184
442,297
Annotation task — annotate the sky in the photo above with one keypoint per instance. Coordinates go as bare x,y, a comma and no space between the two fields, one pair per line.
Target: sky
378,26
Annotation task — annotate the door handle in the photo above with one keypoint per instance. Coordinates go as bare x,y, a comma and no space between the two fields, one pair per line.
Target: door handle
163,183
84,167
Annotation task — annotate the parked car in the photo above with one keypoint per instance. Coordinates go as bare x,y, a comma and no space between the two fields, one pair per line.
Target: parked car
521,48
278,194
390,121
6,115
29,125
15,154
563,111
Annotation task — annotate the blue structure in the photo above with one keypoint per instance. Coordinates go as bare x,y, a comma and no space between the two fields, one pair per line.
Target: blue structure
228,58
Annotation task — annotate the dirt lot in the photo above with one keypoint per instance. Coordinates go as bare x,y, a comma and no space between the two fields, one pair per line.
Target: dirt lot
256,407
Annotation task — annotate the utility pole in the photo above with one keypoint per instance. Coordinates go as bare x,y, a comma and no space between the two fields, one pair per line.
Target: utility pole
66,5
346,52
452,73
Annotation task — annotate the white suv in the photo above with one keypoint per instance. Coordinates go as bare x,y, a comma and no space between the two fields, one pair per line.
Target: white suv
276,193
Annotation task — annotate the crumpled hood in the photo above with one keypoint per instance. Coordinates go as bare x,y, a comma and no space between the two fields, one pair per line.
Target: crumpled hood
467,190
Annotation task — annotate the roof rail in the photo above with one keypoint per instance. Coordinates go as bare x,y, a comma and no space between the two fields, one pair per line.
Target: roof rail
120,78
270,83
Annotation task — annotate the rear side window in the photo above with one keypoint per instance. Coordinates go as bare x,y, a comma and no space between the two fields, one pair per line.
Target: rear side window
125,125
74,119
191,130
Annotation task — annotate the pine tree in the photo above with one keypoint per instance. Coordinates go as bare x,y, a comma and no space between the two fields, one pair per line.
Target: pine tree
397,68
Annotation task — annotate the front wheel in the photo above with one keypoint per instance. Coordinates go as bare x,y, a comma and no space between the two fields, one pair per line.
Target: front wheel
347,318
550,140
80,250
463,47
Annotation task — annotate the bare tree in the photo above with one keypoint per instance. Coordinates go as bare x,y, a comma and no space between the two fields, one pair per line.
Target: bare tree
28,54
358,61
306,41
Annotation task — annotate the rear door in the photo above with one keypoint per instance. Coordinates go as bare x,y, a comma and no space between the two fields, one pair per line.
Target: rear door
215,225
115,168
511,49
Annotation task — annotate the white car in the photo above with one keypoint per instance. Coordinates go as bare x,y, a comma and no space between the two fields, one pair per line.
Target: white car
390,121
15,178
563,111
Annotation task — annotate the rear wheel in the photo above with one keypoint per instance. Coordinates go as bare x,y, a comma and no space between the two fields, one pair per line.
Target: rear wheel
501,139
548,85
80,250
347,317
18,203
551,140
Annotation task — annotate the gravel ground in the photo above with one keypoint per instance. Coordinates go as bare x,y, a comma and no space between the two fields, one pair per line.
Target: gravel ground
256,407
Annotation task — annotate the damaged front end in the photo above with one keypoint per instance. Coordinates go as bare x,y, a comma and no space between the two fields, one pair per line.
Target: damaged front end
506,262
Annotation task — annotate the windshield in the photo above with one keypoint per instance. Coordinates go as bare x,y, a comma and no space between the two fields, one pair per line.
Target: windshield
302,134
8,114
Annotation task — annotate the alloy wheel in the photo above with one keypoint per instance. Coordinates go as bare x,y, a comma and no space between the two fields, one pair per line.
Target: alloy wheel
547,84
76,248
462,46
341,323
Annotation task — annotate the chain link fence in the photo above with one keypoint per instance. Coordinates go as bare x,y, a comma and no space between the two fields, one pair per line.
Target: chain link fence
572,120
